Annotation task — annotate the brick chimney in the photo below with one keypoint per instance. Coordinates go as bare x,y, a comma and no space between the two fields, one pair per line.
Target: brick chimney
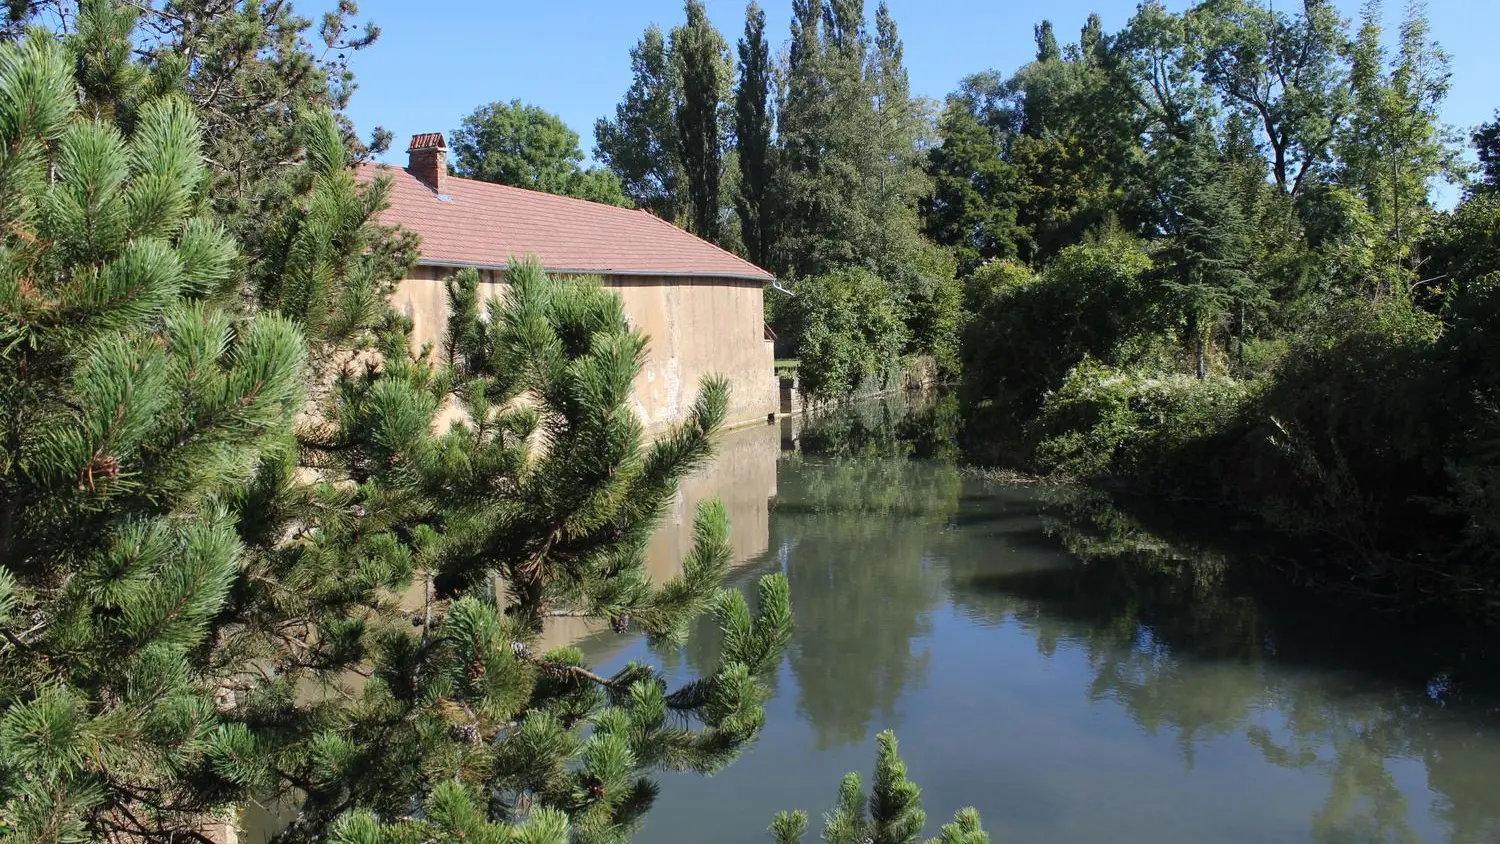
427,159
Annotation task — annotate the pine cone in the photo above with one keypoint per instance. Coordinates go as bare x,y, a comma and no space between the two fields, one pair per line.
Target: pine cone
620,623
464,733
519,648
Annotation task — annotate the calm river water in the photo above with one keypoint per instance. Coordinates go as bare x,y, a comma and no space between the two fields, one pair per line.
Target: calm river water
1074,676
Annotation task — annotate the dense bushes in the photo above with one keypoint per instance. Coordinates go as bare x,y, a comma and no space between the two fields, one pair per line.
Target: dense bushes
1028,330
856,332
1370,426
1266,312
1157,429
1376,438
848,332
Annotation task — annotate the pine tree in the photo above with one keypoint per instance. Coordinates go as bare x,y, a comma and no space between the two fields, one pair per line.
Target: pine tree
250,70
555,499
972,207
1210,254
132,406
892,814
755,200
199,569
701,55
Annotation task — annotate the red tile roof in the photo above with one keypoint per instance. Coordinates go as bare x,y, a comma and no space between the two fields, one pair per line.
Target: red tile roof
481,224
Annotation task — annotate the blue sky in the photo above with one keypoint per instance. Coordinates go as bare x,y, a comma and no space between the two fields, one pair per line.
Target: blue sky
438,59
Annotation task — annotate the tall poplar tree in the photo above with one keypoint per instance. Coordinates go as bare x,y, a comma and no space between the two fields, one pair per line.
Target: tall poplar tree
701,56
755,200
802,127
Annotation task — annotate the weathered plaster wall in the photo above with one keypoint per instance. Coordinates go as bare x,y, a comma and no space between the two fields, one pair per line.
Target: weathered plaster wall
695,327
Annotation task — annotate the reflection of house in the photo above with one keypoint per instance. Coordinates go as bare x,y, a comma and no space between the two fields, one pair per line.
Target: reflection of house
700,306
743,476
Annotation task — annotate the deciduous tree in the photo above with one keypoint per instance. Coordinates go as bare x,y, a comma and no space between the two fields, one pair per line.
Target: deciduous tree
526,146
702,58
640,143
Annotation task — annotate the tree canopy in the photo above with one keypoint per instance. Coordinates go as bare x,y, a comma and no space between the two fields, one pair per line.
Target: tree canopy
527,147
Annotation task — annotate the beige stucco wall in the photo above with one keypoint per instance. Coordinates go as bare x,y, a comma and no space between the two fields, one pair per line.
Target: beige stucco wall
695,327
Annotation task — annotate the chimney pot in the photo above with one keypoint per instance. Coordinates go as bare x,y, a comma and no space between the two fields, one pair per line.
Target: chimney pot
427,159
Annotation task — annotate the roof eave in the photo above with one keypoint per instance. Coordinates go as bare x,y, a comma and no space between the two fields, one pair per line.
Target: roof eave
480,265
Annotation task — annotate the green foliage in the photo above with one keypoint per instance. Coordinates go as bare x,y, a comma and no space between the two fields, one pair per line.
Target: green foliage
324,260
1157,430
554,497
1486,140
849,333
974,200
891,814
754,201
252,70
1283,72
208,510
133,408
1393,147
1237,195
452,814
930,299
1463,248
1210,253
525,146
702,57
640,144
1028,331
850,174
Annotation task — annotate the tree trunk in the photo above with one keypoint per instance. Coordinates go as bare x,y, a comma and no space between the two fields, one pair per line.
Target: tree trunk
1200,347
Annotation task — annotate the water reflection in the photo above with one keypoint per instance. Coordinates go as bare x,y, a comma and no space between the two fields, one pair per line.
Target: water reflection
1185,650
743,476
1078,676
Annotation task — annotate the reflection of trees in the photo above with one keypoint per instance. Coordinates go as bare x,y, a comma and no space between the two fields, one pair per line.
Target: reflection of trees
854,516
854,520
921,425
856,533
1182,646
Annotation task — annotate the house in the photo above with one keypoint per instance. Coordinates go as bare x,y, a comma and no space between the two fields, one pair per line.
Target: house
700,306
